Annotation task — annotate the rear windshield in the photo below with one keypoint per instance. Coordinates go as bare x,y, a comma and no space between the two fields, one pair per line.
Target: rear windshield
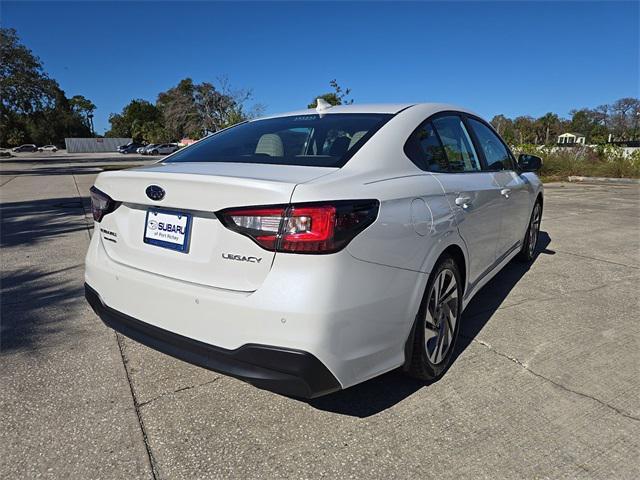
309,140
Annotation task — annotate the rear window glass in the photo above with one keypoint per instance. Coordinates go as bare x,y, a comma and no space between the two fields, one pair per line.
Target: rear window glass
309,140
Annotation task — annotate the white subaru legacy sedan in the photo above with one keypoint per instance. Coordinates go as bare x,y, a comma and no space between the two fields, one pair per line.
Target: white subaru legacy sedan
310,251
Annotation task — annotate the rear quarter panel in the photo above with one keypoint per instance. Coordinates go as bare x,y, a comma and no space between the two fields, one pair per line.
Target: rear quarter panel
414,225
414,220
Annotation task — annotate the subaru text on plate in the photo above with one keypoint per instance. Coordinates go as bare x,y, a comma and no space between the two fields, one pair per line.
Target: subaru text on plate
310,251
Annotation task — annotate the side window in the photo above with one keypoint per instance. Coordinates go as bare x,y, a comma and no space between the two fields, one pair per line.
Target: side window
425,150
495,152
457,144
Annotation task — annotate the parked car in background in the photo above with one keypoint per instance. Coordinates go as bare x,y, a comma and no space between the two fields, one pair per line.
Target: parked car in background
122,147
131,147
48,148
311,251
27,147
163,149
148,148
143,149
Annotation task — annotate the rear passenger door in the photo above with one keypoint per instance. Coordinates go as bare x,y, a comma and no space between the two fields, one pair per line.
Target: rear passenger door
513,188
446,149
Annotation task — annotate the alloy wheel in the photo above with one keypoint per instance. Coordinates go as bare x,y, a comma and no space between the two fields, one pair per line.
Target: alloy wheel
441,316
534,229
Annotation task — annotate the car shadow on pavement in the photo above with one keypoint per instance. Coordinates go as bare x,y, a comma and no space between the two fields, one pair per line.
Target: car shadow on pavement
35,306
34,297
34,221
383,392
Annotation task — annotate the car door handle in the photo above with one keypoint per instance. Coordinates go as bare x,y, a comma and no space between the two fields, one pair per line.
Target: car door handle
505,192
463,201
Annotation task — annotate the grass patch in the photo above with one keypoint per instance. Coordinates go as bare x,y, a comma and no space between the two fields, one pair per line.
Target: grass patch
602,161
552,178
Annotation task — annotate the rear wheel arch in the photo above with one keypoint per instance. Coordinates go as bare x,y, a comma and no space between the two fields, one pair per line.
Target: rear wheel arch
527,251
455,250
451,259
456,253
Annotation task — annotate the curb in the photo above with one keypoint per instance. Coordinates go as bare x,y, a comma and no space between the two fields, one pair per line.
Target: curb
605,180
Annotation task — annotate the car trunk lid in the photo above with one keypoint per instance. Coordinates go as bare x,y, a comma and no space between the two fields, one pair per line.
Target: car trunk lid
214,256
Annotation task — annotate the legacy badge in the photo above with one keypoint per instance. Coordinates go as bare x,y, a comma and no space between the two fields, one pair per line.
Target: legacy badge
241,258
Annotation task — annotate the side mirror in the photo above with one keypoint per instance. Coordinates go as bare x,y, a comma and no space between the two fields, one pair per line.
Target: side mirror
529,163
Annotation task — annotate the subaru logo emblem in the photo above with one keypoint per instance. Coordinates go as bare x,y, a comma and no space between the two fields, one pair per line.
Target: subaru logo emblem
155,192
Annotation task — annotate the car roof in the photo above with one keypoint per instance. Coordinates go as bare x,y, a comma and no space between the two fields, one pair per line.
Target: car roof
359,108
384,108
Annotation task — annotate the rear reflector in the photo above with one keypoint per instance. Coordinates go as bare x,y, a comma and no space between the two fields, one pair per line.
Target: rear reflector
322,227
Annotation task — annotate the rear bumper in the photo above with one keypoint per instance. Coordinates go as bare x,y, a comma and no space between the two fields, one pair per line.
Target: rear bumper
353,316
285,371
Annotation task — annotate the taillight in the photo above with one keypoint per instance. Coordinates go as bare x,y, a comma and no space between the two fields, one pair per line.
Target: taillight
322,227
260,224
101,204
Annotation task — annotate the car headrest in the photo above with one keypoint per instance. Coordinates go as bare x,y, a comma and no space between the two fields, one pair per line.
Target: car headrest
270,144
339,146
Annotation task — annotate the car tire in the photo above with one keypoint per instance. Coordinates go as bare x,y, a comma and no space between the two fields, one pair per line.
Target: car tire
528,250
154,152
434,328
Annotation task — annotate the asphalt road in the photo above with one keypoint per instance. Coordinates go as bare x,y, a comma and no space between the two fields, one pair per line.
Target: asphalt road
546,383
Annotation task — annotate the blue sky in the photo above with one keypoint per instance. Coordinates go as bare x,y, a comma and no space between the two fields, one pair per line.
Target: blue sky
504,57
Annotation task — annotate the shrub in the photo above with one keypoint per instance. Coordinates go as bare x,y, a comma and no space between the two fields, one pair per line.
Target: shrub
601,161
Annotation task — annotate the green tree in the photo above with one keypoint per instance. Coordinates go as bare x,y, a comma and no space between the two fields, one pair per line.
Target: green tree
84,108
216,109
154,132
132,121
547,128
16,136
524,129
504,127
337,97
625,118
56,122
582,121
619,120
193,110
24,86
33,108
179,111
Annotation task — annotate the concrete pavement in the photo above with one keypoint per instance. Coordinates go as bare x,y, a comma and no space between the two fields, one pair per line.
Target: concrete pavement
546,383
65,406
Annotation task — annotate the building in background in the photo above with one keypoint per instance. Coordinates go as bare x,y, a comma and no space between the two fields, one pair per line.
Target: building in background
571,138
93,145
185,142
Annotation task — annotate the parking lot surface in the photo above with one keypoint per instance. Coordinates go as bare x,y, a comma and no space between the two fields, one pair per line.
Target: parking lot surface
546,383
